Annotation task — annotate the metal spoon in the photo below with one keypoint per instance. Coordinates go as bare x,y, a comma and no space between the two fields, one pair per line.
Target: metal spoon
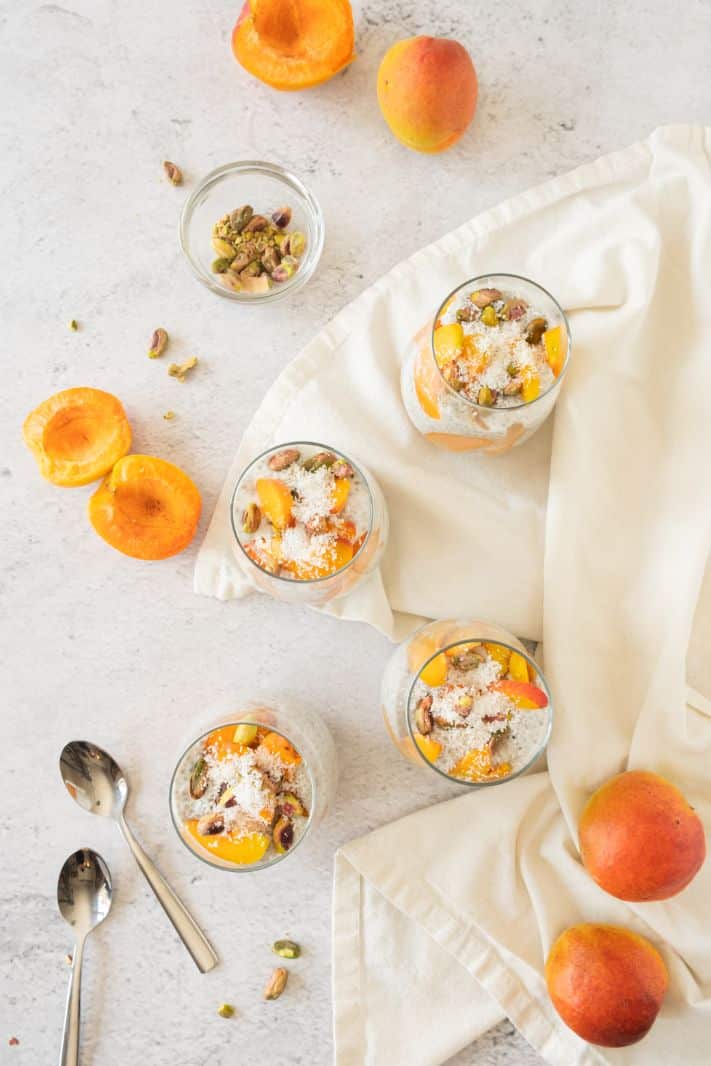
84,898
96,782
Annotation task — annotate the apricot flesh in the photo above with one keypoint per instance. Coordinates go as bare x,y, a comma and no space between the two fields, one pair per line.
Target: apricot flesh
639,838
294,44
607,983
77,435
427,91
242,851
146,508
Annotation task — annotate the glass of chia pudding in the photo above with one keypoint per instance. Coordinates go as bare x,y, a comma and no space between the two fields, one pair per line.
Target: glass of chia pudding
466,699
309,523
486,373
245,793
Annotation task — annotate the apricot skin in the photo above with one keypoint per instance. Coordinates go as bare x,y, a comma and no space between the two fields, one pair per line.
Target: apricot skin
427,91
607,983
639,838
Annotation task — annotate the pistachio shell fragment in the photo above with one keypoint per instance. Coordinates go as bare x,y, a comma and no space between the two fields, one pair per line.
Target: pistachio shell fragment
286,949
173,173
276,983
159,342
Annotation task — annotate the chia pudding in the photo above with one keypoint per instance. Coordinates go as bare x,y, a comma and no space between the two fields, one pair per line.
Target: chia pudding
244,794
487,372
305,515
468,700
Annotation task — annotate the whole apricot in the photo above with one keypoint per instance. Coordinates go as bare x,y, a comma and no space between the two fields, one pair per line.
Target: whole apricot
639,838
607,983
427,91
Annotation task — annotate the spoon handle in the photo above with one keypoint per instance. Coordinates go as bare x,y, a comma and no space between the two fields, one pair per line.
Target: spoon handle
69,1055
192,936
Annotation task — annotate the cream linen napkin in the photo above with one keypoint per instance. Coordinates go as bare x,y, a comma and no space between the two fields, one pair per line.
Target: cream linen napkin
595,537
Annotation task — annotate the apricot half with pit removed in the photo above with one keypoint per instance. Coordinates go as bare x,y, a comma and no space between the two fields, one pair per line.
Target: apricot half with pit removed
77,435
146,508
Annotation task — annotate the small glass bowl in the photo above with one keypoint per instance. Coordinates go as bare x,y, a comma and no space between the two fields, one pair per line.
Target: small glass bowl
266,187
316,590
446,417
306,731
413,656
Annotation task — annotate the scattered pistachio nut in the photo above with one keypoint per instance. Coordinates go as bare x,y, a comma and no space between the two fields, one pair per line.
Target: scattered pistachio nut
198,779
286,949
256,223
423,716
225,1010
489,316
240,217
283,834
251,518
169,416
224,248
481,297
276,983
319,460
180,370
173,173
485,397
513,310
464,704
535,330
283,459
282,217
245,733
290,805
74,325
212,824
342,469
159,342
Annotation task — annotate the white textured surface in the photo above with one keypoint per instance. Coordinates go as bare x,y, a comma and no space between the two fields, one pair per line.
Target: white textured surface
95,95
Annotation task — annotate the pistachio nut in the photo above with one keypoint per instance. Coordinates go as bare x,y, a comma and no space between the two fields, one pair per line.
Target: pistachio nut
283,459
240,218
286,949
276,983
290,805
513,310
319,460
282,217
489,316
283,834
212,824
535,330
485,397
198,779
224,248
173,173
158,344
256,223
482,297
225,1010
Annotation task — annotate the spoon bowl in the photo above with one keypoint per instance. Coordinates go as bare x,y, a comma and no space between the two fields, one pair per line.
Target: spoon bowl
93,779
84,891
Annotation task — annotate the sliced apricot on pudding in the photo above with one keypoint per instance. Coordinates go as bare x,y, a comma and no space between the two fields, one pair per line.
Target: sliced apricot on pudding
222,743
501,654
275,501
278,746
146,508
526,696
554,341
346,531
241,850
431,749
448,342
531,388
294,44
518,667
334,558
77,435
477,765
341,491
435,673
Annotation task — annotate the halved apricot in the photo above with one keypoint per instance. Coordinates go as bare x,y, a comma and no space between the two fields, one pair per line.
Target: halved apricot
340,494
294,44
275,501
146,508
554,341
77,435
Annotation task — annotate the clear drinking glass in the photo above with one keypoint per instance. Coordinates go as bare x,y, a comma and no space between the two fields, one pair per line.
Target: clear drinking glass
316,590
439,641
314,782
449,419
266,187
